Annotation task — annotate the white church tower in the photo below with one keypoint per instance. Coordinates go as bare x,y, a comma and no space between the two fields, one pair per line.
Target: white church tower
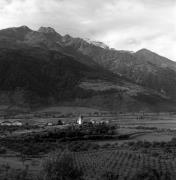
80,120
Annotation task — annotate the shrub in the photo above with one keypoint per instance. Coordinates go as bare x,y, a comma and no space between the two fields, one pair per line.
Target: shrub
3,150
108,175
13,174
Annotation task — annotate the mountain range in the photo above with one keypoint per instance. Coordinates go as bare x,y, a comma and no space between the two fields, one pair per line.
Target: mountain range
44,68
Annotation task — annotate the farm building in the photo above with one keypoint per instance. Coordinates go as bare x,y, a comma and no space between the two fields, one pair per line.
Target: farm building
6,123
49,124
17,123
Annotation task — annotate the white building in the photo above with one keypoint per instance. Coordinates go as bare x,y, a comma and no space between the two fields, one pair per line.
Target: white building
93,121
6,123
17,123
80,120
49,124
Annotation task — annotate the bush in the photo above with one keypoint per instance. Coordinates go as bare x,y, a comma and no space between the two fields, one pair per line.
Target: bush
13,174
3,150
82,146
108,175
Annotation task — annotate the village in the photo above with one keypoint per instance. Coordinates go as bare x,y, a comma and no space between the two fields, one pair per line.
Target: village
55,123
44,119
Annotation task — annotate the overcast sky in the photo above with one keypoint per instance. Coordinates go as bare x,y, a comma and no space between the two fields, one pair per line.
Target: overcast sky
121,24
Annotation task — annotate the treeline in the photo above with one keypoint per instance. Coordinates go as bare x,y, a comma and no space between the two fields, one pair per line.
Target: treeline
44,142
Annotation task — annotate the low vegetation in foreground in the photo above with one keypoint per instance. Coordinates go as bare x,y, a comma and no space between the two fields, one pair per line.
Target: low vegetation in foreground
97,165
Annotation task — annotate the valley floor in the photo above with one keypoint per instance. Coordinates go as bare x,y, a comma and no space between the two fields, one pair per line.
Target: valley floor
148,141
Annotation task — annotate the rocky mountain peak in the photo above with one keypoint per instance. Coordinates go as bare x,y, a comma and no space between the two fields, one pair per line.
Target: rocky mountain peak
144,51
46,30
24,27
20,28
97,43
66,38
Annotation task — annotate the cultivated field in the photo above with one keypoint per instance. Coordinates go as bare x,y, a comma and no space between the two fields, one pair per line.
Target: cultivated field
124,164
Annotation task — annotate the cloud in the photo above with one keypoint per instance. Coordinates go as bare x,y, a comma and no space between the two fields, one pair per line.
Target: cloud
122,24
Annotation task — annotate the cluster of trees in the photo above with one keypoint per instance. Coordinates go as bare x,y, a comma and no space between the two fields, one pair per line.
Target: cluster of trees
147,144
155,149
82,146
44,142
10,129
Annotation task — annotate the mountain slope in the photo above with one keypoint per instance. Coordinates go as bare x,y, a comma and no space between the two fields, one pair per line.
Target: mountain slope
149,56
43,74
40,67
143,67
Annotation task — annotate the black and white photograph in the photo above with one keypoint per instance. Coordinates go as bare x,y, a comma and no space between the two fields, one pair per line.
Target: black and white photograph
87,89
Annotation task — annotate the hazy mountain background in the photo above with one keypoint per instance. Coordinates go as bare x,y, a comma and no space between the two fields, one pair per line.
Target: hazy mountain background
39,68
